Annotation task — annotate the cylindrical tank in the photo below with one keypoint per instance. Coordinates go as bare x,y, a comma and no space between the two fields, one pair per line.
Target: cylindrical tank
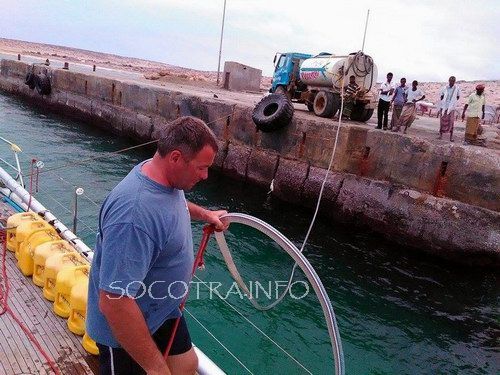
328,70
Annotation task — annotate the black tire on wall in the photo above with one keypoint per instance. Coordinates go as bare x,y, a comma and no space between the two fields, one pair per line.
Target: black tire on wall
273,112
324,104
42,84
30,80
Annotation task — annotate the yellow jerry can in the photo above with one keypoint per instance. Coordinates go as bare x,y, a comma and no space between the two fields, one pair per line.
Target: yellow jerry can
14,221
66,279
27,248
89,345
25,229
42,253
78,307
53,265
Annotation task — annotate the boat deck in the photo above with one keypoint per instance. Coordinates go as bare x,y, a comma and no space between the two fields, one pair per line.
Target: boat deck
17,354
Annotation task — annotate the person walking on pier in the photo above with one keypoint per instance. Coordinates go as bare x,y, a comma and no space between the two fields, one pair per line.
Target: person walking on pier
449,99
144,257
384,101
408,115
473,109
398,101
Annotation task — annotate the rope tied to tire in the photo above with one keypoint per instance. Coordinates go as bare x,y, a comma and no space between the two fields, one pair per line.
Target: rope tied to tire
39,81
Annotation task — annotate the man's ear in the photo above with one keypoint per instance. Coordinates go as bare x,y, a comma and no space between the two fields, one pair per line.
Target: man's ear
175,156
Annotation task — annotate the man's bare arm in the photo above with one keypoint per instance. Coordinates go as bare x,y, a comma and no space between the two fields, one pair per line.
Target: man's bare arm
129,328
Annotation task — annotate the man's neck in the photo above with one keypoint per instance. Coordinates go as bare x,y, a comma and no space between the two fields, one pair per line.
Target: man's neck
154,171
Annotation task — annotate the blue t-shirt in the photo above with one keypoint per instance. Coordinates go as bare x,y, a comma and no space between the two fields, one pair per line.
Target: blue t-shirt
399,95
144,250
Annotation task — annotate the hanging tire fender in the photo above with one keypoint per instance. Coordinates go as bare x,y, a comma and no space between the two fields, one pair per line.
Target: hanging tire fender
42,84
30,80
273,112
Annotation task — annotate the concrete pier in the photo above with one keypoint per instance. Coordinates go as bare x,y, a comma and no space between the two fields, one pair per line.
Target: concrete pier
442,198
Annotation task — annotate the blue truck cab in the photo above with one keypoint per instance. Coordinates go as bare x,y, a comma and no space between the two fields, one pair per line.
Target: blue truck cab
286,70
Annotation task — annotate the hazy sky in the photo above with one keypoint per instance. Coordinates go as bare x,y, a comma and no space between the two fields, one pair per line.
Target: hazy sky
424,40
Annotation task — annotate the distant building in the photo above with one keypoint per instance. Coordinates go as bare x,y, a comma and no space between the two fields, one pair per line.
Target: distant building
239,77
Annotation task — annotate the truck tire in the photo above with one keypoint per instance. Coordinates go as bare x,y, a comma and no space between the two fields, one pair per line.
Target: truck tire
324,104
310,101
368,112
273,112
360,113
42,84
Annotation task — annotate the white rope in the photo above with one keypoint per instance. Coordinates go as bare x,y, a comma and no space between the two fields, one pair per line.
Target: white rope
255,326
313,220
218,341
332,157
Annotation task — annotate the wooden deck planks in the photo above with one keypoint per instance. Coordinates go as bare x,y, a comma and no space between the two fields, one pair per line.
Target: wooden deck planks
17,354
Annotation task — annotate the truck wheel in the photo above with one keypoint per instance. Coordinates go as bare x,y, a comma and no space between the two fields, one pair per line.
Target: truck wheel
360,113
367,114
310,106
273,112
324,104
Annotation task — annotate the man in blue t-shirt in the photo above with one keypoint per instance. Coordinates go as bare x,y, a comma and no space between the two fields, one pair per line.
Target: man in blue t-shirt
398,101
144,256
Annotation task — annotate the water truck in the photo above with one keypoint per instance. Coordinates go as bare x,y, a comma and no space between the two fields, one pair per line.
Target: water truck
318,81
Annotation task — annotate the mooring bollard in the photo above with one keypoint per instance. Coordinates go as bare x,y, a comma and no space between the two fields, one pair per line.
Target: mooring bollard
66,66
93,68
18,57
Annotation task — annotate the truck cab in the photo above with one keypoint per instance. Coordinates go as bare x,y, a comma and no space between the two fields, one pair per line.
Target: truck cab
286,70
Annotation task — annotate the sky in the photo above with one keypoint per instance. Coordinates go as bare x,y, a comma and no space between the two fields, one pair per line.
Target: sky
424,40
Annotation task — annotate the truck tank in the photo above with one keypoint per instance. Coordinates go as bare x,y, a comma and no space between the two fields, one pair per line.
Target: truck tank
326,70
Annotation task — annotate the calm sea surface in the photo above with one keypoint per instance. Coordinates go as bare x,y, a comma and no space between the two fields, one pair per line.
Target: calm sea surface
398,312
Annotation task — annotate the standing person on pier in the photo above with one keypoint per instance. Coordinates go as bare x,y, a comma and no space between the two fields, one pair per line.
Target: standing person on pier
408,115
398,101
384,101
473,109
144,257
449,99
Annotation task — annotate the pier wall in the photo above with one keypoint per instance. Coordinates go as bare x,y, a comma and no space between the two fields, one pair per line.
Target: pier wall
442,198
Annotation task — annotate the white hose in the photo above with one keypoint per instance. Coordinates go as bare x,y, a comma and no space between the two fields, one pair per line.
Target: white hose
301,261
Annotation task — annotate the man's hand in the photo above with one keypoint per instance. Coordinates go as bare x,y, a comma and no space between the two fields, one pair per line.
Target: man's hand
213,217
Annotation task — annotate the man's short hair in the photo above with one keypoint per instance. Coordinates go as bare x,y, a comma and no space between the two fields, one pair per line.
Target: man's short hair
188,135
390,74
353,76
